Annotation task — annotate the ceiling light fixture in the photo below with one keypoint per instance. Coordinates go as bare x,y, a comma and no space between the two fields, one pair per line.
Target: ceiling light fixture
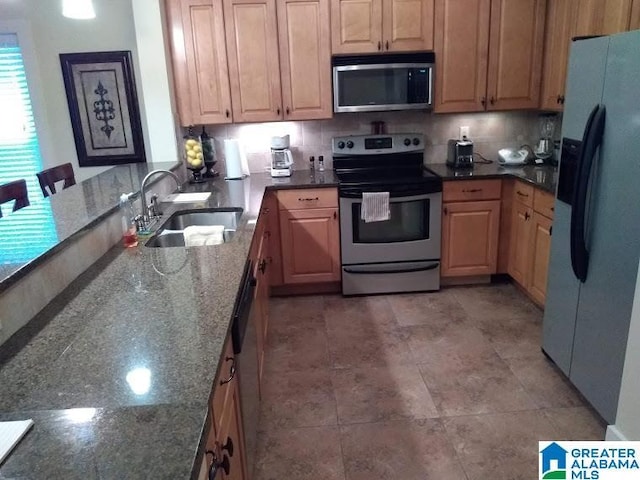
78,9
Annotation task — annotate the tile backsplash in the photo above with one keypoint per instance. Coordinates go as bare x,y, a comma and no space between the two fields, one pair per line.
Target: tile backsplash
489,131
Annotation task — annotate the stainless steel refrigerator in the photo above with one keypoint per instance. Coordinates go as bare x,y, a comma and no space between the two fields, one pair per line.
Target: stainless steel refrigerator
595,242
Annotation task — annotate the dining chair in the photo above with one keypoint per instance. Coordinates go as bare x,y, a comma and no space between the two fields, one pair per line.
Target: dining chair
50,176
17,191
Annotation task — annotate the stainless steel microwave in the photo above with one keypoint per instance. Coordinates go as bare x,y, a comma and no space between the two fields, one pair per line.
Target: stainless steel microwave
375,83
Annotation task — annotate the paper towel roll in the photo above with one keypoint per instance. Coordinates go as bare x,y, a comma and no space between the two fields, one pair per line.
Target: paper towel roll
233,158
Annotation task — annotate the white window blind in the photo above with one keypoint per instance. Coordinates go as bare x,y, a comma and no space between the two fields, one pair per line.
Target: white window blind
30,231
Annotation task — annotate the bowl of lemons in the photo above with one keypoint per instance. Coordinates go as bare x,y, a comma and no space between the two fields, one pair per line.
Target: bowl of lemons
194,157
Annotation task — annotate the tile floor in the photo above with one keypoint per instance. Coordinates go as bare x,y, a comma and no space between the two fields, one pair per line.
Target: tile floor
449,385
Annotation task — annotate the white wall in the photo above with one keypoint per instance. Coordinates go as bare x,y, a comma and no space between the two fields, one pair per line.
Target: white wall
112,29
627,425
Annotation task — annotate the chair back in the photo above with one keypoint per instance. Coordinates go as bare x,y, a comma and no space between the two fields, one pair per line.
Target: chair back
50,176
17,191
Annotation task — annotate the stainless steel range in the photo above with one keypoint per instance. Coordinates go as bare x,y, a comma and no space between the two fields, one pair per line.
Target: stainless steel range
402,253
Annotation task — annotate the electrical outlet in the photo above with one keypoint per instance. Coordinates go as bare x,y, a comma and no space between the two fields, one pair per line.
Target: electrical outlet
464,132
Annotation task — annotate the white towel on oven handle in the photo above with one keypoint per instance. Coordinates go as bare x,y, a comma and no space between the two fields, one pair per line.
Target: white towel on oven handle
375,207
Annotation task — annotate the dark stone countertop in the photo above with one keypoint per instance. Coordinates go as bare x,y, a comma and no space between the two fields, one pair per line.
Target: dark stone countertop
32,234
117,371
543,176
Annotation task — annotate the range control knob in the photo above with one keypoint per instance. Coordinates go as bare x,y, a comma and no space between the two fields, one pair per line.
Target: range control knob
416,141
349,144
407,141
341,145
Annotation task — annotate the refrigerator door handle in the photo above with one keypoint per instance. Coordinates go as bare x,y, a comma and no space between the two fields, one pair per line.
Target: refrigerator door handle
591,141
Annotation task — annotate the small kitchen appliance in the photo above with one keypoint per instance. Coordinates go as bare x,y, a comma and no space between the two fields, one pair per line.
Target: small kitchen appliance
511,156
460,153
281,158
544,148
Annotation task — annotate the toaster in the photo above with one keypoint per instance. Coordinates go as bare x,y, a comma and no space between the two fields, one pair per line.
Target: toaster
460,153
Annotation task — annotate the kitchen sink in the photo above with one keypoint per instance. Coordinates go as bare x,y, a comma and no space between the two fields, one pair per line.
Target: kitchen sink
170,233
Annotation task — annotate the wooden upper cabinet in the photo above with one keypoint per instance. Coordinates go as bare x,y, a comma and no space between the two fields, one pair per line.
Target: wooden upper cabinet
407,25
356,26
254,69
515,54
365,26
604,17
634,21
560,23
461,47
305,58
199,59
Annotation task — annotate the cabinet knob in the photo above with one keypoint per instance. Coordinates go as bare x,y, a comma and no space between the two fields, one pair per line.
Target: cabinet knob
335,215
492,100
227,113
527,216
287,111
386,45
216,465
562,99
228,446
551,230
446,212
483,101
262,266
379,46
232,370
278,110
558,99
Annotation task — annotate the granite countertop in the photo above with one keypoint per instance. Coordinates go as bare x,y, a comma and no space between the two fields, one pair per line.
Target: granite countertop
117,371
542,176
49,223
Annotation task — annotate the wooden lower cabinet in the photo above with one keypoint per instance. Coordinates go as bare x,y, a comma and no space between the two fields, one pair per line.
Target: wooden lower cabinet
470,238
530,243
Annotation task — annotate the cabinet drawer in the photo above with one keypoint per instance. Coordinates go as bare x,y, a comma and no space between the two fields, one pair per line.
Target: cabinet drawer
463,190
543,203
221,394
523,193
297,199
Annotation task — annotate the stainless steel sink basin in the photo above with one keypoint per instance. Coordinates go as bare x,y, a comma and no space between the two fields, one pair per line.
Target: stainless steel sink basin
170,233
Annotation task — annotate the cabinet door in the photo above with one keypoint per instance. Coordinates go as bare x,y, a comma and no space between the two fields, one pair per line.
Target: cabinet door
310,245
254,70
356,26
540,250
520,245
199,59
603,17
560,19
407,25
634,21
305,59
231,434
470,238
270,212
515,54
461,47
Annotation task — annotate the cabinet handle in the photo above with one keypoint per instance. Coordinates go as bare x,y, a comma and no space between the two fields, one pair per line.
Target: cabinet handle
492,100
551,230
483,101
526,216
562,99
228,446
278,110
472,190
558,99
262,266
227,113
446,212
379,46
232,370
215,465
287,111
335,215
552,209
386,45
521,194
265,210
308,199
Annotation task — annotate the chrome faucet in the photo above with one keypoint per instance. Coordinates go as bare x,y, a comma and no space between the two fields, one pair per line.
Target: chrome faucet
146,220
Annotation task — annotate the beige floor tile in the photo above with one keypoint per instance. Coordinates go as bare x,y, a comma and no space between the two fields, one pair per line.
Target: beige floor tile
300,454
291,311
427,308
513,336
500,446
381,394
297,399
474,385
495,301
369,312
296,348
544,382
407,450
577,423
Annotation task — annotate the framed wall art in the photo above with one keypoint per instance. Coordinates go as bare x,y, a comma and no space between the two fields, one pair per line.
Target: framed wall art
103,105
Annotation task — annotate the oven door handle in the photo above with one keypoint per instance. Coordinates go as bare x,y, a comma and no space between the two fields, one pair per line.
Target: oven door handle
355,271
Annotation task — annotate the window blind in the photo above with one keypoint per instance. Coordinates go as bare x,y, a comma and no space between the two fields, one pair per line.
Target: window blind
27,233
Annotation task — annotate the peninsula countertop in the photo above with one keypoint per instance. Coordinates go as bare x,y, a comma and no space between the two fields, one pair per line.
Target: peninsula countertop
117,371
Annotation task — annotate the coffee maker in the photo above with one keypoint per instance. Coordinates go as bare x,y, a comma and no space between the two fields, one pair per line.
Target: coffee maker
281,158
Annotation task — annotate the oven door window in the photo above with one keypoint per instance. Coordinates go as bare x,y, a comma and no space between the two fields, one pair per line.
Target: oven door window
409,221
